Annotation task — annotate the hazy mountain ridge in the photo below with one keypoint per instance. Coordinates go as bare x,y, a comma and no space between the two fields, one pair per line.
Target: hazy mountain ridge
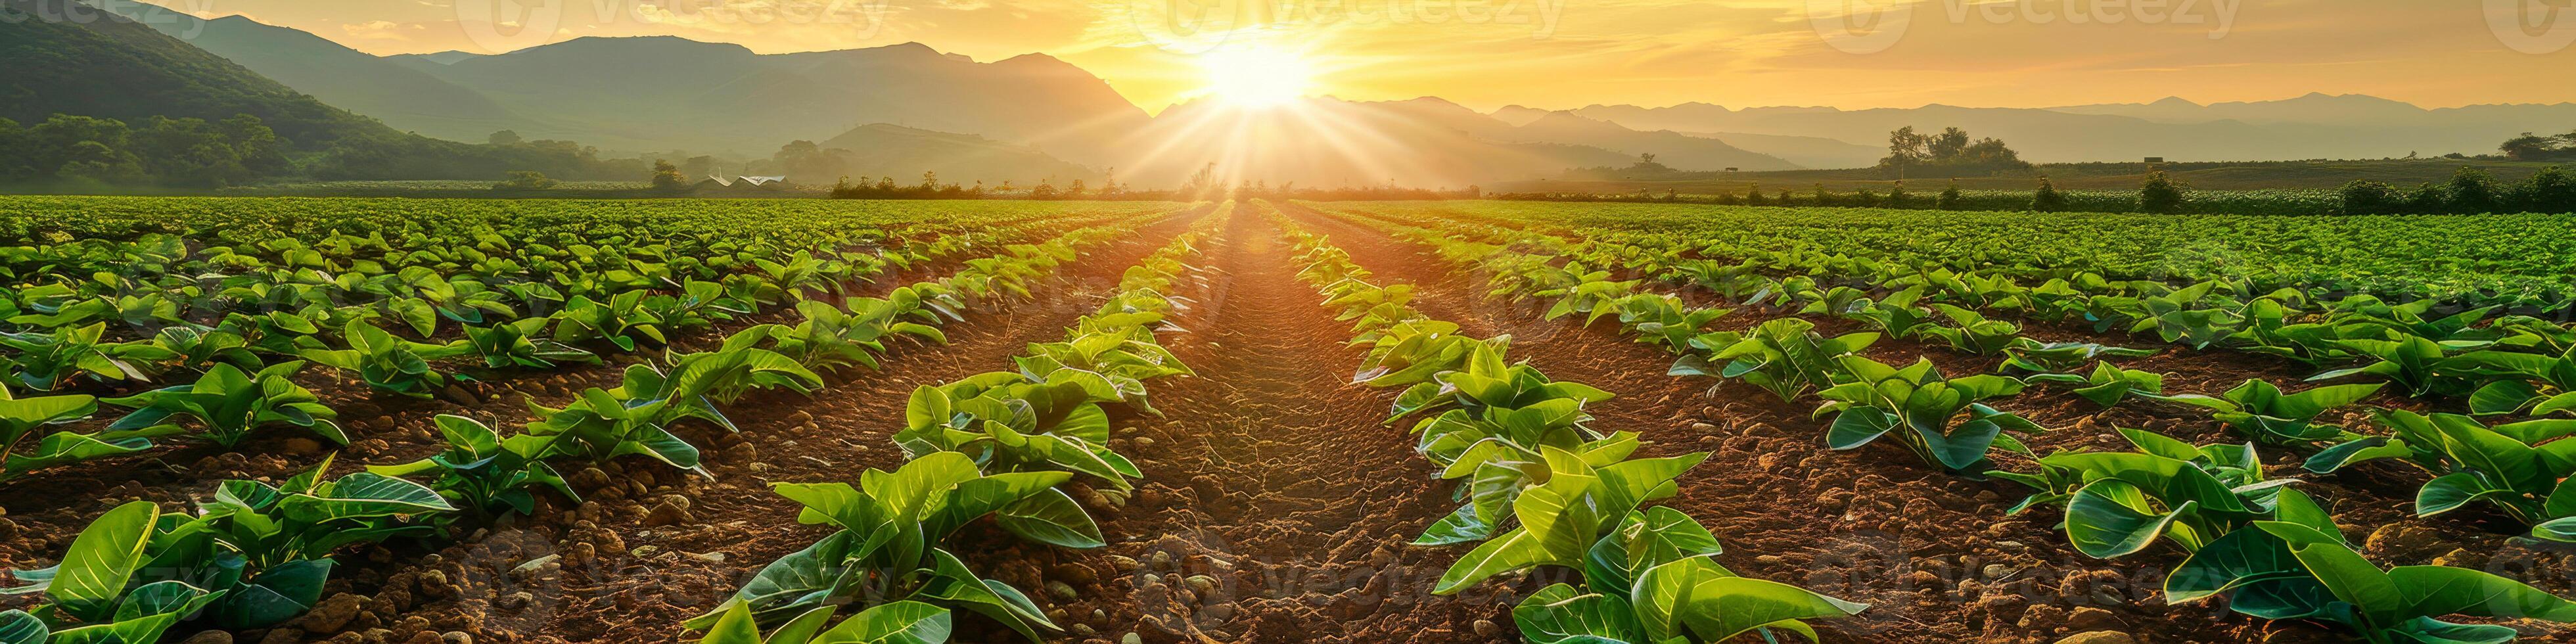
112,67
401,96
2306,127
904,153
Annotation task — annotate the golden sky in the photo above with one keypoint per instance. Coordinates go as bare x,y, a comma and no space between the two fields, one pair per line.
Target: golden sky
1569,53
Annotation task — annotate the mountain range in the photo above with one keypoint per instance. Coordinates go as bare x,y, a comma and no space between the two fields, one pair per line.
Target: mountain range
910,104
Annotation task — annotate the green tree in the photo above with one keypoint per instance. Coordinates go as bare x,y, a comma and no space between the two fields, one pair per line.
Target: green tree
1896,197
2551,190
667,176
260,149
2047,199
1949,145
506,138
2472,191
1905,149
94,161
188,152
2161,194
1753,195
2369,198
1949,199
1823,198
16,150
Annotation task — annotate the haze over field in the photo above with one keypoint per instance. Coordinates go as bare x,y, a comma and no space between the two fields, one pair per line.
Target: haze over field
1152,92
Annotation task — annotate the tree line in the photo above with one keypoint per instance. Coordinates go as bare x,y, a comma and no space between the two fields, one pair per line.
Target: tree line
2470,191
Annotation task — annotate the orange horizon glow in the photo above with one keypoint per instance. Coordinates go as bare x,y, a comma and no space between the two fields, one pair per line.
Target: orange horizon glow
1564,54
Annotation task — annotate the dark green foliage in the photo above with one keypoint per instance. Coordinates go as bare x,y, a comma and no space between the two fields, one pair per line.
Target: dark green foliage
2161,194
667,176
2472,191
1950,152
2047,199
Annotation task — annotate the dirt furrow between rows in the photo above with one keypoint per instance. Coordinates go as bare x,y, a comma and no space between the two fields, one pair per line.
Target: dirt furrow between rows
1275,506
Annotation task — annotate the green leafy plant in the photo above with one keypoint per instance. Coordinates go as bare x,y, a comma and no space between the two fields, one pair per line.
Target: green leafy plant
2118,503
228,405
261,553
1974,334
886,548
479,471
2518,468
1785,356
97,594
50,360
2300,567
2032,356
389,363
1008,424
1410,352
2409,363
603,424
2540,384
518,344
2260,411
22,419
197,349
901,622
1664,320
2108,384
1924,410
620,321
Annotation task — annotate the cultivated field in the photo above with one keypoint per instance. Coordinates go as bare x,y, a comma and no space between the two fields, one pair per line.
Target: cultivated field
394,420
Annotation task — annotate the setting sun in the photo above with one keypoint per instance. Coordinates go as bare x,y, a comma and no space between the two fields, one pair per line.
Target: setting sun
1256,76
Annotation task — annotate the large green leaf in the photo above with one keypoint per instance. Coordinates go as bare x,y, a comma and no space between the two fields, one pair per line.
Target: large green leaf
2111,518
902,622
95,570
1559,614
18,627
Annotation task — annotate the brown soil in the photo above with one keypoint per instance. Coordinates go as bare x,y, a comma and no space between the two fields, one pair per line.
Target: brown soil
1276,506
